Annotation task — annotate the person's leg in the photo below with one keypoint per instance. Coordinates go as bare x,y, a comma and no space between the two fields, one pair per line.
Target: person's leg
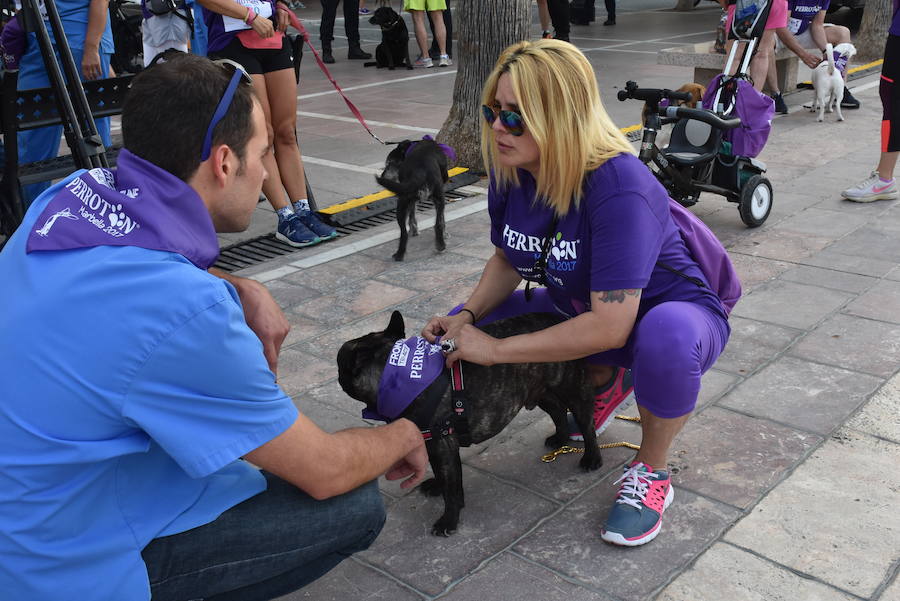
880,185
834,35
351,28
270,545
544,18
774,88
326,28
759,64
281,91
672,346
418,17
610,12
440,34
559,16
433,51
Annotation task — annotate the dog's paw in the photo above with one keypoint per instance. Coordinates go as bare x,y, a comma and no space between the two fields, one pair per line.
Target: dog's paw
440,245
431,488
589,464
397,256
444,527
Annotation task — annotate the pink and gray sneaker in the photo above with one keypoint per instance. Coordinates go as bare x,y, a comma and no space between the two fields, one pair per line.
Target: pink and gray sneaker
613,397
636,516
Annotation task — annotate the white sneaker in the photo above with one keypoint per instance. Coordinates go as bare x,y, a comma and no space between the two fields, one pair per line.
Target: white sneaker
424,61
445,61
871,189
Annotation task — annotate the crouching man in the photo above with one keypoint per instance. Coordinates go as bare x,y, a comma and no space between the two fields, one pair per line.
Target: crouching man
136,383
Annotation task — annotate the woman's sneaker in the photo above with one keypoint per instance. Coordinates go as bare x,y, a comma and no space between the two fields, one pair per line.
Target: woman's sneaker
610,399
636,516
872,189
291,230
323,231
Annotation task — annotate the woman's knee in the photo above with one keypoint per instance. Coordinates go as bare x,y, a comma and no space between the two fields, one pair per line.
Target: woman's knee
284,134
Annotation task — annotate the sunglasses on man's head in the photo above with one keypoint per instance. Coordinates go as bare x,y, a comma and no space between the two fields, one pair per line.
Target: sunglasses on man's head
237,77
511,121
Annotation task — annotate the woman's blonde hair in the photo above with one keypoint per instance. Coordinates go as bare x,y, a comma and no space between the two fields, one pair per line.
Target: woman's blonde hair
559,101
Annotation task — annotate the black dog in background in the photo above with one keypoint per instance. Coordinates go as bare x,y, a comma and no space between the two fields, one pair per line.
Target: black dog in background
494,396
393,51
416,171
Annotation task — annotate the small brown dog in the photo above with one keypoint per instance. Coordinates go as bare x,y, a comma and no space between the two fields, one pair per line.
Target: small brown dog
695,90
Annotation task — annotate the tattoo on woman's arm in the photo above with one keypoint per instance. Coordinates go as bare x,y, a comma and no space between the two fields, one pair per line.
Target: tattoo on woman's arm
617,296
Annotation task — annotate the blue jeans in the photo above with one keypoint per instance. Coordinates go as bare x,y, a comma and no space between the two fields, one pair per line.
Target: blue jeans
269,545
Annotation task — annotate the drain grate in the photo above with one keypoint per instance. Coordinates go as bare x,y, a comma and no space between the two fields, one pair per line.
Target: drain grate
259,250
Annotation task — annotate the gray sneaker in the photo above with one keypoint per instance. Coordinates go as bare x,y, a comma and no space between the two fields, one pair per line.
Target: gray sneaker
871,189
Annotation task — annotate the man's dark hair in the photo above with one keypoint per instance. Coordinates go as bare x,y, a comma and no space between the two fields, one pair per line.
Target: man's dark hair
170,106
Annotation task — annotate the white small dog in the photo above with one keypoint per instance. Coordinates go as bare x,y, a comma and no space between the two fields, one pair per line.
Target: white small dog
828,80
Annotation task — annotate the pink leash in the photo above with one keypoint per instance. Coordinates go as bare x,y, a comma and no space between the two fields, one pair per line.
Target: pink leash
296,24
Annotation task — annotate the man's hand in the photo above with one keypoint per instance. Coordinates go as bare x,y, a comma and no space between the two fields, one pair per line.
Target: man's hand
261,313
413,465
811,60
90,63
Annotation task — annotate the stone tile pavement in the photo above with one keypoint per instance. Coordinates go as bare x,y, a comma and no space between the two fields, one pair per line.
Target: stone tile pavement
785,476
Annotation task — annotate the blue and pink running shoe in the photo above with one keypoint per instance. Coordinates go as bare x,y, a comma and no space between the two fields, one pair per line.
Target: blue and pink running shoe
612,398
636,516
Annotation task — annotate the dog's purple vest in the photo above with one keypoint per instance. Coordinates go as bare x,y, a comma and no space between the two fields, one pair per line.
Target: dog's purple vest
412,366
138,204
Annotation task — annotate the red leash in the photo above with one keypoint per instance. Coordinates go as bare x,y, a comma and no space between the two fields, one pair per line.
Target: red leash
296,24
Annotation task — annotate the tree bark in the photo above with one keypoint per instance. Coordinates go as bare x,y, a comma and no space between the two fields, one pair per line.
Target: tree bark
486,27
873,30
685,5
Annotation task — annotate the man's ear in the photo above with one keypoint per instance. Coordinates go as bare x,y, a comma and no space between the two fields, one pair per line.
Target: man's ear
222,162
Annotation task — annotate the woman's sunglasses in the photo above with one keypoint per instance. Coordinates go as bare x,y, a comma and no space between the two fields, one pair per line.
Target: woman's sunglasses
511,121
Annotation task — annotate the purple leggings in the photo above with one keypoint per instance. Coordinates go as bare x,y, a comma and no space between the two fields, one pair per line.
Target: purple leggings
668,351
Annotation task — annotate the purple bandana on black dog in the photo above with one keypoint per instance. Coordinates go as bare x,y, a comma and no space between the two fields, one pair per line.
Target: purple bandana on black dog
448,150
413,365
138,204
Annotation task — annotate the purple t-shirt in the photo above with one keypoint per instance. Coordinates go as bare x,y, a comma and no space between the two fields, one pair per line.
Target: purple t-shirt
220,29
895,23
802,13
611,241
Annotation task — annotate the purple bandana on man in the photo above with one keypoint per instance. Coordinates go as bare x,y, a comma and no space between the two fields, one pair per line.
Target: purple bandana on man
413,365
138,204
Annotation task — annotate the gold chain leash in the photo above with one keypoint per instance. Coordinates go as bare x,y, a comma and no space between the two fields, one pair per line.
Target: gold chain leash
566,449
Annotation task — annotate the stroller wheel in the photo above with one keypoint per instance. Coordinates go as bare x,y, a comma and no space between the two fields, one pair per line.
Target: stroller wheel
756,201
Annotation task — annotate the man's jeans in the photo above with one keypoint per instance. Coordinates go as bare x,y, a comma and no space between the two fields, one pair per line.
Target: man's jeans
267,546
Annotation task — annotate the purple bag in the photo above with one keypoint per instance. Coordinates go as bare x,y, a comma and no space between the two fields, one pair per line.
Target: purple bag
709,254
754,108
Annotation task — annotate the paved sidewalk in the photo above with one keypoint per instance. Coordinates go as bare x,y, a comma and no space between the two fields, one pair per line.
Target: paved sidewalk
785,477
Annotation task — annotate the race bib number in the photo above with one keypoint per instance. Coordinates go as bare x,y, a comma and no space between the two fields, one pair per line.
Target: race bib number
262,9
794,25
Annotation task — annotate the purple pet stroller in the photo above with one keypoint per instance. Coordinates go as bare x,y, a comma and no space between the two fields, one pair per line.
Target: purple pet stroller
714,148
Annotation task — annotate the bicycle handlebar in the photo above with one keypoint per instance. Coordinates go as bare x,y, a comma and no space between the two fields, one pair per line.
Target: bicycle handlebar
651,95
709,117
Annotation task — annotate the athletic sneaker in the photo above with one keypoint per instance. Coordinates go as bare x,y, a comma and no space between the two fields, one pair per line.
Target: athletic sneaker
424,61
445,61
848,101
780,105
364,11
546,34
292,231
636,516
871,189
314,224
611,398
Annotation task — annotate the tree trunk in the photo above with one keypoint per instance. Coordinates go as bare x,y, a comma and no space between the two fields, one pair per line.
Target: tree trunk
486,27
873,30
685,5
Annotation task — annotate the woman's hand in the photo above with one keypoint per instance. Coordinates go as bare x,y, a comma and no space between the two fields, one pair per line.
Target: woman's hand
284,18
472,345
446,326
263,27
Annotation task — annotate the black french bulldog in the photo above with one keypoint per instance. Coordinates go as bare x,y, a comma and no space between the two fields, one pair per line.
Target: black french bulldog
416,174
493,397
393,51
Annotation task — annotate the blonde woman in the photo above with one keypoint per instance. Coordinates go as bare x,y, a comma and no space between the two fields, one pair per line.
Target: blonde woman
572,207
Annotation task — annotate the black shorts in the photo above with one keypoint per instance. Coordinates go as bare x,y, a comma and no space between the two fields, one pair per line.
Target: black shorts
257,61
890,96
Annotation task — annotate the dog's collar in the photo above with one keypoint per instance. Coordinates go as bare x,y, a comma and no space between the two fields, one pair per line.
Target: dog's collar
448,150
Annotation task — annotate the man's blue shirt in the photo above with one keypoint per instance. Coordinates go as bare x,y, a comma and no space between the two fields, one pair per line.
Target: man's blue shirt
131,387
